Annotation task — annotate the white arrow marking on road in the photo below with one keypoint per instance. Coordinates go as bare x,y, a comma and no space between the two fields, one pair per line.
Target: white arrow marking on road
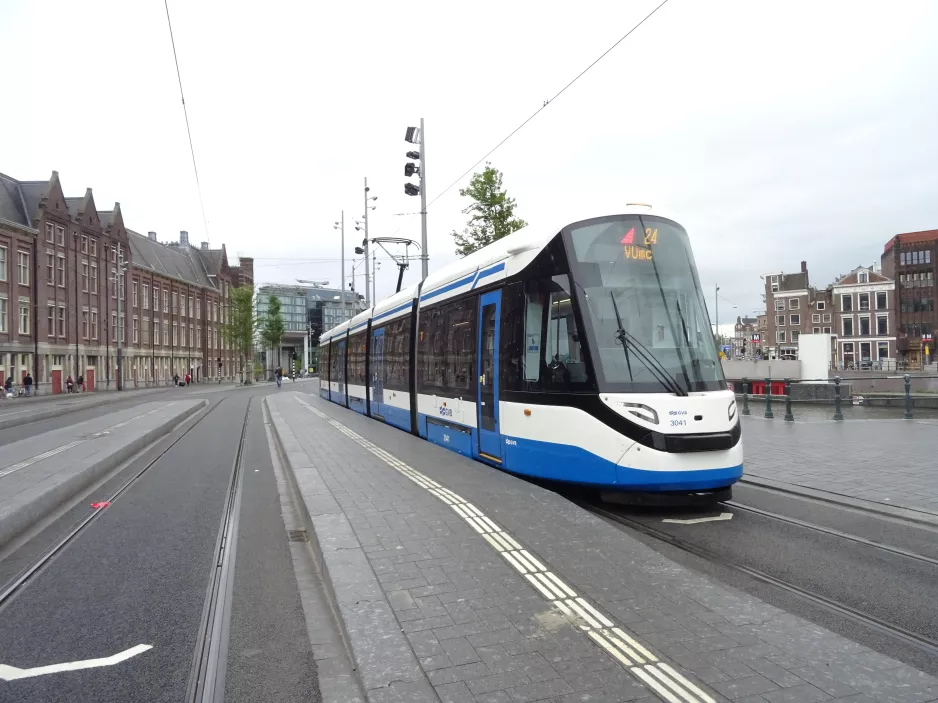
11,673
716,518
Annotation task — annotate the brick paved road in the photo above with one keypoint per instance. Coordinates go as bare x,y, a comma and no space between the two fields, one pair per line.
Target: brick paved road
886,461
410,571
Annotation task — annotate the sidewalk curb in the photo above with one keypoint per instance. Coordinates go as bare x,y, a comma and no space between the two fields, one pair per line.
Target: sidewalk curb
923,517
13,524
26,418
385,664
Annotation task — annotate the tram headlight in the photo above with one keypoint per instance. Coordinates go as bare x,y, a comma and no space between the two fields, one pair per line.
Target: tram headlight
642,412
731,410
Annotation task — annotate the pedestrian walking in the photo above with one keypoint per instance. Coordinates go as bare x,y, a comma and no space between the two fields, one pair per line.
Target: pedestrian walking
279,375
176,379
28,384
8,387
188,378
81,383
69,384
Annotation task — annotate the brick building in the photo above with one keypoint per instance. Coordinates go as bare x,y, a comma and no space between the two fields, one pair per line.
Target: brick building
910,260
59,259
746,338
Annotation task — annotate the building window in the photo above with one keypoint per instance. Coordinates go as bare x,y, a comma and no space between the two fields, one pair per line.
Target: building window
779,305
156,332
84,324
51,320
166,335
827,317
820,305
779,320
815,318
881,300
846,303
94,324
816,330
61,320
133,288
3,263
93,246
61,263
848,347
113,325
175,303
190,306
50,232
84,247
156,298
863,278
794,335
24,317
848,327
84,276
50,268
882,350
94,277
780,336
145,294
827,330
60,235
22,259
146,331
165,300
3,315
864,301
175,335
882,324
794,303
198,309
136,330
794,320
864,326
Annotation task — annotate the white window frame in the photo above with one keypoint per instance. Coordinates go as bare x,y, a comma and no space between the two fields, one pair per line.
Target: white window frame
60,276
863,277
794,304
779,305
792,318
879,347
779,320
816,330
60,235
882,317
816,318
145,295
886,293
22,267
826,317
843,326
780,336
24,317
820,305
869,326
3,314
828,330
843,297
860,307
795,335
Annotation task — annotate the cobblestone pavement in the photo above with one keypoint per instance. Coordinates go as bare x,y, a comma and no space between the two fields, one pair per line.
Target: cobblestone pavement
888,461
420,547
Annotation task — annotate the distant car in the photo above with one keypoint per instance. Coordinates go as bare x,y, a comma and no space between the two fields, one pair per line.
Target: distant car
788,357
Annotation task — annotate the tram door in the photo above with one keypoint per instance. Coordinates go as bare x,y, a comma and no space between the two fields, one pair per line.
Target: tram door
490,438
377,373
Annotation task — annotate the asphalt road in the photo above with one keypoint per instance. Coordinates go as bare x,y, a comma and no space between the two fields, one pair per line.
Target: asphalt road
893,588
138,575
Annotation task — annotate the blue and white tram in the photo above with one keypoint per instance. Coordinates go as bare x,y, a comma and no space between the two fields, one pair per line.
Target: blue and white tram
583,356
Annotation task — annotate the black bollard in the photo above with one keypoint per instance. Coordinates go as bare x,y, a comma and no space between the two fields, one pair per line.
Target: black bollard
745,396
908,397
788,416
768,399
838,415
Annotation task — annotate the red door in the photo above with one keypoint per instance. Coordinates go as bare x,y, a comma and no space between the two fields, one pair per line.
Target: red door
56,382
89,379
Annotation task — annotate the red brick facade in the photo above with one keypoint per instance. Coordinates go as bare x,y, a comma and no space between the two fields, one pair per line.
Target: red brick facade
58,295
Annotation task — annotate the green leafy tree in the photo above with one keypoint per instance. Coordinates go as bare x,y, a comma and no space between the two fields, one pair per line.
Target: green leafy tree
239,331
491,214
272,327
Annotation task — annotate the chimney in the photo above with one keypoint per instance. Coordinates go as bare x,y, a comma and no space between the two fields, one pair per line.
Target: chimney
184,238
151,236
804,267
204,246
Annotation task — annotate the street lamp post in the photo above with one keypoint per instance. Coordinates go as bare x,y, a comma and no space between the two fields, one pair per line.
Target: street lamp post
365,244
341,227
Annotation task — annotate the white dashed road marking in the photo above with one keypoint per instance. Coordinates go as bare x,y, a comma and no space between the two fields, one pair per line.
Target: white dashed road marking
696,520
65,447
667,683
11,673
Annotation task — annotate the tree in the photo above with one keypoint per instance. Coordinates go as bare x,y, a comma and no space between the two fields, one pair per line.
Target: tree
491,214
272,327
239,331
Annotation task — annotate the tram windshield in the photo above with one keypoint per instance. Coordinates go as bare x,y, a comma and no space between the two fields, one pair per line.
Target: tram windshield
646,320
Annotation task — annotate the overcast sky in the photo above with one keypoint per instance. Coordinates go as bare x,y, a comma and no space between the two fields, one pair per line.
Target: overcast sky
775,132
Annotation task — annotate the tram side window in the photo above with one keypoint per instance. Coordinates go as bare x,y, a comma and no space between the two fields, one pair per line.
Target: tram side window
324,365
431,341
460,344
338,363
356,359
543,350
397,354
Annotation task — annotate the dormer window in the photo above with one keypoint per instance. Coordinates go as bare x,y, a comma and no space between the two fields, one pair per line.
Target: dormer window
863,277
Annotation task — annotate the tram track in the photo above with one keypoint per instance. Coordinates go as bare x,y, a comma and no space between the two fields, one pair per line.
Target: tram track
22,580
922,643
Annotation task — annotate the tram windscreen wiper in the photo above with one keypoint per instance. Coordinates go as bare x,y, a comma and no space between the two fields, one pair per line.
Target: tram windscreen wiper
641,351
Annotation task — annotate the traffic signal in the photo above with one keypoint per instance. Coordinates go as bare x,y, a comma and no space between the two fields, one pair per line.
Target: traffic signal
411,189
410,169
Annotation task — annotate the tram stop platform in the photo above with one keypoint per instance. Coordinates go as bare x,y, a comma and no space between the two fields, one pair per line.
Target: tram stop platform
453,581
